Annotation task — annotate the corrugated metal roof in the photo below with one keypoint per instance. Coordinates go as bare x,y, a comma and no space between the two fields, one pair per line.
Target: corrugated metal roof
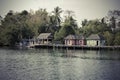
74,37
45,36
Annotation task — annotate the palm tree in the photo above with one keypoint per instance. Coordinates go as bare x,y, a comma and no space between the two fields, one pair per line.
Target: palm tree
57,18
54,20
69,13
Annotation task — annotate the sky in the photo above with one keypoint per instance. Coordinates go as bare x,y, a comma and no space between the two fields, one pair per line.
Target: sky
83,9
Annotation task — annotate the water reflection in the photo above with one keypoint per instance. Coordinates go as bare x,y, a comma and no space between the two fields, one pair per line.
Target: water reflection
92,54
55,64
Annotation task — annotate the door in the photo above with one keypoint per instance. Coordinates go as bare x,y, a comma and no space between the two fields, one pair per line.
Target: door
97,43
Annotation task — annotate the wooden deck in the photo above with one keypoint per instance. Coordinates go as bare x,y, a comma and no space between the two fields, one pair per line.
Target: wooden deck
61,46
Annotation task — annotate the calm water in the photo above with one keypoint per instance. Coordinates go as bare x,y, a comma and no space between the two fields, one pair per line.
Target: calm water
46,64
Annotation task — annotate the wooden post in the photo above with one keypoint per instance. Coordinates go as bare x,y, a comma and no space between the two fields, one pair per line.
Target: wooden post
42,41
47,40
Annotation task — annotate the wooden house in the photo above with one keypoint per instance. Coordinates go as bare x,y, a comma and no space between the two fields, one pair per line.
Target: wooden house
44,38
95,40
74,40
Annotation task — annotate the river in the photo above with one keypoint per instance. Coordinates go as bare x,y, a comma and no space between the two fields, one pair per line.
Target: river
58,64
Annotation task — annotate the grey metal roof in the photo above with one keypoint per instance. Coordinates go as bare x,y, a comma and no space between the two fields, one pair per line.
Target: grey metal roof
74,37
95,37
45,36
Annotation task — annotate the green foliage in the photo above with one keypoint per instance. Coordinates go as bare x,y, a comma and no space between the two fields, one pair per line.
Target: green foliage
84,22
42,29
113,18
63,32
57,17
94,27
97,27
89,28
117,39
109,38
15,28
69,27
24,25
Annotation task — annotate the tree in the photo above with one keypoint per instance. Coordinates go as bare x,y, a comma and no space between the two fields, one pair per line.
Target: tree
94,27
11,12
109,38
57,18
69,13
113,19
69,26
15,28
54,20
1,20
113,23
117,39
52,25
39,21
27,25
63,32
69,19
84,22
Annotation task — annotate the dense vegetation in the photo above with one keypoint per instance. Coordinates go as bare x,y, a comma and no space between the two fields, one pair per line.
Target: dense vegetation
26,25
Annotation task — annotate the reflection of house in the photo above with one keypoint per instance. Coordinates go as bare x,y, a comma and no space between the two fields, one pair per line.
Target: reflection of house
44,38
75,40
95,40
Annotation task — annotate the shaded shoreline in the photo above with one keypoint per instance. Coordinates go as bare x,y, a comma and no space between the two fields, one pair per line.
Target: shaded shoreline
59,46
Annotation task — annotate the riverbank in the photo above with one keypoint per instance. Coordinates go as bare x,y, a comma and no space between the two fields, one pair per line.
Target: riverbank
60,46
